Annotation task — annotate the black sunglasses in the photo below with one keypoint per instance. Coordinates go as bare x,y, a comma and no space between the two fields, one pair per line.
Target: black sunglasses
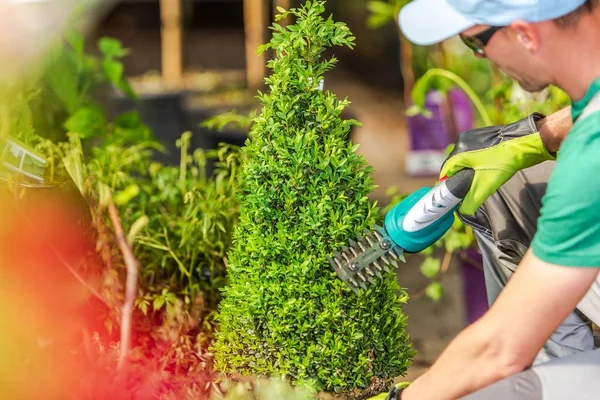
479,41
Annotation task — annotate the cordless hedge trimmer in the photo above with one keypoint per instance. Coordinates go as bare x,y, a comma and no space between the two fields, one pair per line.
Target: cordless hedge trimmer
411,226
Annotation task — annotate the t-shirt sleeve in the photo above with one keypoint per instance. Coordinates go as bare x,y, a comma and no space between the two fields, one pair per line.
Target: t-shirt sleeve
568,229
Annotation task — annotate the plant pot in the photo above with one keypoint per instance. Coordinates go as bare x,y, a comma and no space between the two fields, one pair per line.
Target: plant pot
473,283
430,137
163,113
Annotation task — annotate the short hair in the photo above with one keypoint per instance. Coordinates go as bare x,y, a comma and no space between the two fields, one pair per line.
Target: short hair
571,19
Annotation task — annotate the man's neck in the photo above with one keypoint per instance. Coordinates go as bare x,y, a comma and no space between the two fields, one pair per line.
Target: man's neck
579,65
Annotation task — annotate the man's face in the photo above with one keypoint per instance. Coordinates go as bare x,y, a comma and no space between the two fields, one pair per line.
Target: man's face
513,57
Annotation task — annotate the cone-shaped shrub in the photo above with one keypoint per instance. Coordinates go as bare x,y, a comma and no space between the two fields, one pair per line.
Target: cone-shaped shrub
284,311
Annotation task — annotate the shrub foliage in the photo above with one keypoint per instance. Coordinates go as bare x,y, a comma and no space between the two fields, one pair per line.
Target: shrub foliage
305,193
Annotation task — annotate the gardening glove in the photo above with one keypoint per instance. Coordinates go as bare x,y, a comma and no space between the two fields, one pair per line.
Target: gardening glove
496,153
393,393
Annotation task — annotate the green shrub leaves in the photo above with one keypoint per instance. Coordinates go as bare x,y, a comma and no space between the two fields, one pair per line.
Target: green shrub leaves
305,192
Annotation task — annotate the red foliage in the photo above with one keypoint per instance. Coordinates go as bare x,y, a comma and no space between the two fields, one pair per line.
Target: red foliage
53,341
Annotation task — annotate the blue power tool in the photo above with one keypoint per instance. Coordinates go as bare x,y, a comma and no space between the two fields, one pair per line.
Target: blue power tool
411,226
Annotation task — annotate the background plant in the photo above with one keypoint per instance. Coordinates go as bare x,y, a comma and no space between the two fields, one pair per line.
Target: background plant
177,219
305,193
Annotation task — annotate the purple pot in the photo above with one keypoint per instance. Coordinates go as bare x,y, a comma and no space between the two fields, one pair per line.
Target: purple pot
429,137
474,291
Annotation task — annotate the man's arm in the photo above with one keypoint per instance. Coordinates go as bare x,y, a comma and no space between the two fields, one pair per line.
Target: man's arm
555,128
507,338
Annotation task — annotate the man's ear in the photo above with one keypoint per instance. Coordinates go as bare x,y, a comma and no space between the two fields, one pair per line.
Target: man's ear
526,34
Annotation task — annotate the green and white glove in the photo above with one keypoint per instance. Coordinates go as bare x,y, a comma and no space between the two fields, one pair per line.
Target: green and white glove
496,153
393,394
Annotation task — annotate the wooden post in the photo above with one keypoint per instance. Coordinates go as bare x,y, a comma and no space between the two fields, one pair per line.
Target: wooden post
255,26
406,67
172,48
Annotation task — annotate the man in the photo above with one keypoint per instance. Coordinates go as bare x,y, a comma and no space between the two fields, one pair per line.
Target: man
534,205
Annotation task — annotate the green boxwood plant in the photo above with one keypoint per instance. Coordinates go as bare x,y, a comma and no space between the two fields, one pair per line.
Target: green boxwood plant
305,193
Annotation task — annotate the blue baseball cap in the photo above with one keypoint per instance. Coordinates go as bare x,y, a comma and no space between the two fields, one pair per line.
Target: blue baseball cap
426,22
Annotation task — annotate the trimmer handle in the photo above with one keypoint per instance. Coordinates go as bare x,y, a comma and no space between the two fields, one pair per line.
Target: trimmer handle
460,183
424,217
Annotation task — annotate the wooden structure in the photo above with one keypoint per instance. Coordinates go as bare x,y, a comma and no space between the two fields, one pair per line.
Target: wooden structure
255,25
257,19
172,42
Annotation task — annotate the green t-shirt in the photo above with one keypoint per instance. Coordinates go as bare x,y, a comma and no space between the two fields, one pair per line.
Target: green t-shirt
568,230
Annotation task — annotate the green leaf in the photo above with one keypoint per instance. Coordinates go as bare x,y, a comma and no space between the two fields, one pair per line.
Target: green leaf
376,21
127,89
63,79
136,228
158,302
111,47
454,241
414,110
113,70
125,196
130,128
104,194
143,306
419,92
434,291
430,267
427,251
73,162
88,122
171,298
75,39
380,7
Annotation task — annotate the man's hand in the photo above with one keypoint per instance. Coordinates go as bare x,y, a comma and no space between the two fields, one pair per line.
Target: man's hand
496,153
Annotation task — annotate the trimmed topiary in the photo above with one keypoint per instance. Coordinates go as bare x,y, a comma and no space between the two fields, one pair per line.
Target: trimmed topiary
284,311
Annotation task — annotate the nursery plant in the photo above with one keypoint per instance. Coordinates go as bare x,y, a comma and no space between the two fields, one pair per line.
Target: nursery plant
306,192
182,218
177,221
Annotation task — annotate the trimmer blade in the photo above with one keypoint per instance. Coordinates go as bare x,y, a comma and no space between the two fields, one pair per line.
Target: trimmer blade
368,257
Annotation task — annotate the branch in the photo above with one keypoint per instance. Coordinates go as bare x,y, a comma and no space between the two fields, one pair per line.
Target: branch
132,280
463,256
417,296
446,262
443,269
418,94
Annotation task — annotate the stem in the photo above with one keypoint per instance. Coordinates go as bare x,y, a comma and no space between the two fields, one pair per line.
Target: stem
465,258
406,68
131,286
446,262
417,296
496,81
443,269
183,160
464,86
